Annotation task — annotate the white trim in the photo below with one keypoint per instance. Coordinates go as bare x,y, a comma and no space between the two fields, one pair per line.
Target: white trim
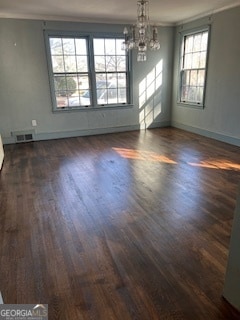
206,133
109,21
89,132
208,13
1,299
1,154
73,19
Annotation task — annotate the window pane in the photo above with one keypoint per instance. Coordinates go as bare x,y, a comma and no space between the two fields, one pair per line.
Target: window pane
81,47
193,78
112,78
122,95
83,82
121,63
201,77
57,64
189,44
82,64
60,84
72,85
110,48
85,98
188,61
204,41
62,102
70,64
100,63
119,50
202,62
184,93
192,94
200,94
183,79
56,46
110,63
101,80
197,42
102,96
80,98
74,101
99,48
68,46
102,88
122,81
186,78
112,95
195,60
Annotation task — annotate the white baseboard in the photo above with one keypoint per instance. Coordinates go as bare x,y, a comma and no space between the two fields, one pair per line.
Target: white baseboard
1,153
1,299
206,133
89,132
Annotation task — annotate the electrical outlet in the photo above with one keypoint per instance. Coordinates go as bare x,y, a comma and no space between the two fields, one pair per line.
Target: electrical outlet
34,123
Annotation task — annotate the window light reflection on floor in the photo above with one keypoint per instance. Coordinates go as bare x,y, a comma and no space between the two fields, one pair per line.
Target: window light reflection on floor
143,155
155,157
216,164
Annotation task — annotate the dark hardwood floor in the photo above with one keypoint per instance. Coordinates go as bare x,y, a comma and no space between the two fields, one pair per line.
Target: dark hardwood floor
122,226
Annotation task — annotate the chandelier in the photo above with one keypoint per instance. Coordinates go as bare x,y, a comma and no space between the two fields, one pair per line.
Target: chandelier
142,35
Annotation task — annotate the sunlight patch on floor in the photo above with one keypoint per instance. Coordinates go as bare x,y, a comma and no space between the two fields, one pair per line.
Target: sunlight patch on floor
155,157
216,164
143,155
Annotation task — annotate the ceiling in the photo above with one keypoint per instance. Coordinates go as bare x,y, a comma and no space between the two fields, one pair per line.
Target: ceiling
162,12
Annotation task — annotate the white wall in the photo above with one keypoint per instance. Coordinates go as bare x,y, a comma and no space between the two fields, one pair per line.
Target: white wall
220,118
25,93
232,280
1,156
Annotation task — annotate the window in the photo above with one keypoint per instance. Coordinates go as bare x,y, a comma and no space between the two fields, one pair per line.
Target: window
193,67
69,60
87,72
110,71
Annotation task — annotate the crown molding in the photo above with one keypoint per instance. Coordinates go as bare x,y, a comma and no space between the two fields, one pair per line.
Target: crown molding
208,13
74,19
105,20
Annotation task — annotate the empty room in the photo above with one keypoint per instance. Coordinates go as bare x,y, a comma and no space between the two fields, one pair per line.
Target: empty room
119,160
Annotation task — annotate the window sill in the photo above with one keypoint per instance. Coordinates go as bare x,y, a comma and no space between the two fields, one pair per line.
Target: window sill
95,108
190,105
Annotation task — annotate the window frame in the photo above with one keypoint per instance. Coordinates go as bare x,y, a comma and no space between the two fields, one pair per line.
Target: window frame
89,36
128,96
183,35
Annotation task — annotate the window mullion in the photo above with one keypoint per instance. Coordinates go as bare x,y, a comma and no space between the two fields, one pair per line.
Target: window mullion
92,74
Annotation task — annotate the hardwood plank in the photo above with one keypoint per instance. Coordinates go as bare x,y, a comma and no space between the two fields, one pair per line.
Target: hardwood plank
133,225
